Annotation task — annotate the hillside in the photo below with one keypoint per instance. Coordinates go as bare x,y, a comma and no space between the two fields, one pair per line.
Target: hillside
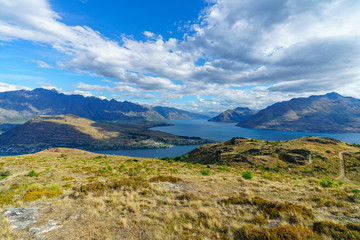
72,131
67,192
20,106
330,113
238,114
308,156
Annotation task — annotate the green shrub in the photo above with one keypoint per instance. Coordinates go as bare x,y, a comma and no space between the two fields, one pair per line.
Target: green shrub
205,172
224,169
32,173
247,174
327,182
4,174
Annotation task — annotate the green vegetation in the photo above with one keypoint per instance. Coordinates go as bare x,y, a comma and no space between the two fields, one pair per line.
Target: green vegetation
247,174
4,174
327,183
205,172
32,173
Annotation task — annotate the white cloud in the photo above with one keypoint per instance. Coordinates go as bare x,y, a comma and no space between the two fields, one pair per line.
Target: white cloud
79,92
300,48
49,86
4,87
42,64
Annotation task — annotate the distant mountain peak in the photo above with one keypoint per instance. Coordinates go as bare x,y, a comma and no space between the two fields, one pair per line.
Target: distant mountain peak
313,114
333,95
20,106
234,115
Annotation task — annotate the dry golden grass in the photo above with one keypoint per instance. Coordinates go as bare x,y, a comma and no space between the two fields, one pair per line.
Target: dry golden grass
114,197
84,125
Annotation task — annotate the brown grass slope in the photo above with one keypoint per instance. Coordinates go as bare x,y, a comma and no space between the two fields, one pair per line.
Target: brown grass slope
92,196
308,156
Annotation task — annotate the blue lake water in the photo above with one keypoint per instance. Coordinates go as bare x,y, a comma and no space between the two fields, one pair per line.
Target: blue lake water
220,132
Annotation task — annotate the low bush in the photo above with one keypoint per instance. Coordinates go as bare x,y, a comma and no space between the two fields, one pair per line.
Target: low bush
271,209
247,174
283,232
115,184
170,179
337,231
205,172
38,193
327,183
32,173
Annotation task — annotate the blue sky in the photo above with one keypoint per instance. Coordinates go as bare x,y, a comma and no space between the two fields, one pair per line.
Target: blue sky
192,54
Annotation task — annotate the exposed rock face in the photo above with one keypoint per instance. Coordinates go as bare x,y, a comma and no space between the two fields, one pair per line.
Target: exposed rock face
233,115
22,217
324,140
234,141
330,113
297,156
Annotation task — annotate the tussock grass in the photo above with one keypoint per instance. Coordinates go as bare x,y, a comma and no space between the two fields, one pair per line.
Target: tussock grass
148,199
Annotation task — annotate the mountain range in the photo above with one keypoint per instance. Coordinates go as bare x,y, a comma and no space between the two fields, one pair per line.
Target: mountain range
238,114
20,106
330,113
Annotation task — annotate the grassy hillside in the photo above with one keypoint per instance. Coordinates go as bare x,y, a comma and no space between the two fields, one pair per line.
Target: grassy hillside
306,157
82,195
76,132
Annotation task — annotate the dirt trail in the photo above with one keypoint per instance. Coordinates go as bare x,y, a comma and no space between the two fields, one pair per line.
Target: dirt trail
342,175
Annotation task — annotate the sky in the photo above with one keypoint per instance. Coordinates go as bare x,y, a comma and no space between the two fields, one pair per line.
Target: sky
197,55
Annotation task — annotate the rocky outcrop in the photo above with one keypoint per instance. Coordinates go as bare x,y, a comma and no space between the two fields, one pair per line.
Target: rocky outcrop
297,156
323,140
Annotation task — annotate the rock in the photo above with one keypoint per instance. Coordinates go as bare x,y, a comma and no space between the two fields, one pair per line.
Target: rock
4,173
22,217
52,223
234,141
254,151
324,140
34,230
298,156
244,158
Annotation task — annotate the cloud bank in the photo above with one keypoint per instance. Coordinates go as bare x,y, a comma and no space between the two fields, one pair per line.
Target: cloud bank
240,53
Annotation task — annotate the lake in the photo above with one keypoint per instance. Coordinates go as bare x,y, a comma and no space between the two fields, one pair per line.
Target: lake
220,132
